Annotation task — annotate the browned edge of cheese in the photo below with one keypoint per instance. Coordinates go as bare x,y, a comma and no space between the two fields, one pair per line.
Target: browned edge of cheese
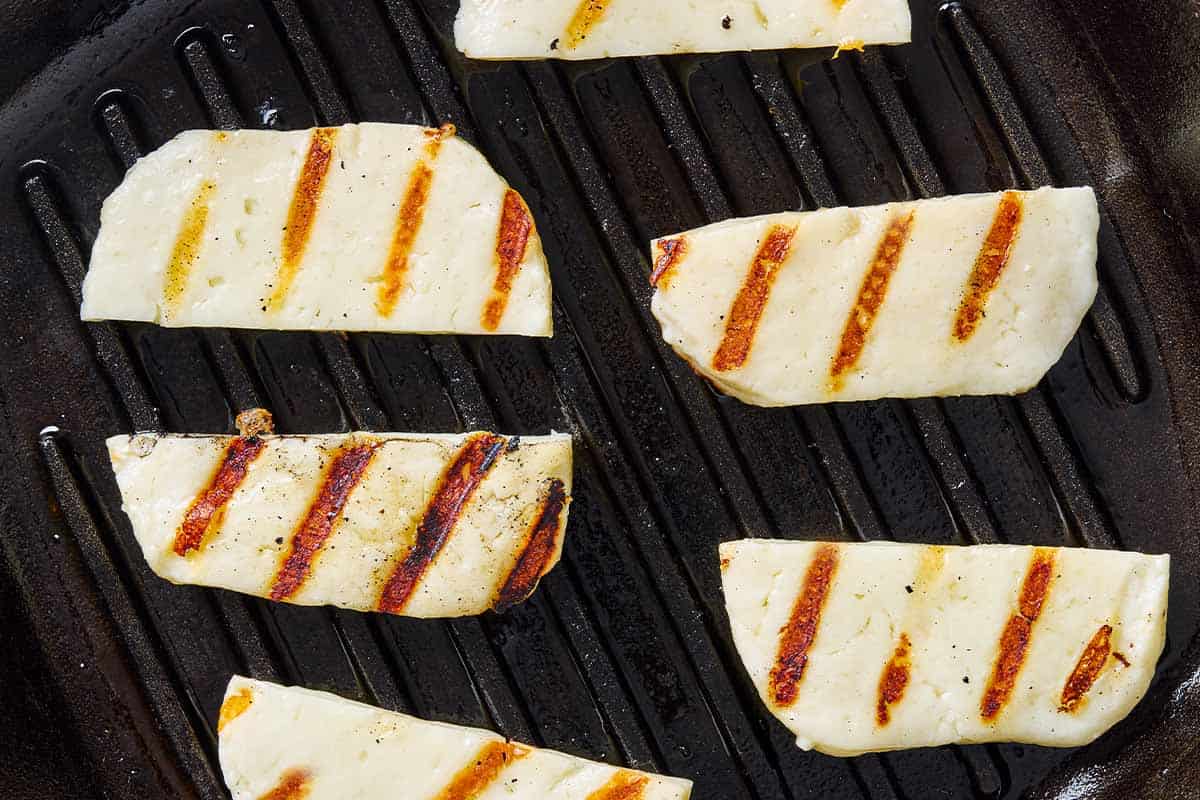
465,472
894,680
586,17
1018,632
186,249
208,508
343,474
796,637
625,785
302,213
512,240
254,422
234,706
671,252
540,544
1087,669
871,295
408,220
742,322
474,779
294,784
989,264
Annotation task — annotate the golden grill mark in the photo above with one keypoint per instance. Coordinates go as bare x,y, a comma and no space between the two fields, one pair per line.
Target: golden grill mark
474,779
1014,640
989,264
462,477
540,545
796,637
871,295
751,300
894,680
408,221
234,706
302,213
624,785
344,472
1087,670
587,17
294,784
671,253
511,242
186,249
206,511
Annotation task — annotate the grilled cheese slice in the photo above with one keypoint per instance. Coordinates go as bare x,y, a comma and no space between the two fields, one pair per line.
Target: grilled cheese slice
868,647
281,742
414,524
371,227
974,294
581,29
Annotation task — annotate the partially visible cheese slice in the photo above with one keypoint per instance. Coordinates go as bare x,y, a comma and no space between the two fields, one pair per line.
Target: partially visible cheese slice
974,294
579,29
281,742
416,524
372,227
882,646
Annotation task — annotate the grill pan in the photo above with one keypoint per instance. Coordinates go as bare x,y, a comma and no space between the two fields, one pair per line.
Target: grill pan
112,678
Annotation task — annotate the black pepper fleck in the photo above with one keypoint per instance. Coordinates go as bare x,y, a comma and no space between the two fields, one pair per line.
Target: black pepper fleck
727,23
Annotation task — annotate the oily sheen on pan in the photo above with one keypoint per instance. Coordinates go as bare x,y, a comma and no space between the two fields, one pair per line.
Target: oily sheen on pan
580,29
421,525
966,295
882,646
280,742
372,227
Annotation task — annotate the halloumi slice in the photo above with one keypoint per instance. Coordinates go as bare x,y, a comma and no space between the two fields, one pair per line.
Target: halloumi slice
287,742
974,294
882,646
422,525
371,227
579,29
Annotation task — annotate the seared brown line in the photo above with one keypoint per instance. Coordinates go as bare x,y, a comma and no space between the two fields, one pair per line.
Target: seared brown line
343,474
294,784
894,680
473,779
210,504
462,477
871,295
796,637
586,17
672,252
989,264
186,249
1087,670
1014,640
511,242
302,213
751,300
540,545
622,786
234,706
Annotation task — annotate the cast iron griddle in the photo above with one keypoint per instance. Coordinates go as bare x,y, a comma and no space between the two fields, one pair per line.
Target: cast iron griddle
623,655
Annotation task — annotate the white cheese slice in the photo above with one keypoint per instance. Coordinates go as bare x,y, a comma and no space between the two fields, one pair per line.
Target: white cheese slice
382,227
580,29
1094,633
322,747
456,524
935,326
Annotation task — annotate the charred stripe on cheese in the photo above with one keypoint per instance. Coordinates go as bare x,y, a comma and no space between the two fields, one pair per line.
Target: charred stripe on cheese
294,784
511,243
234,706
672,252
408,221
210,504
894,680
586,17
1014,641
870,298
462,477
186,248
751,299
539,548
796,637
622,786
1087,670
475,778
344,473
302,213
989,264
